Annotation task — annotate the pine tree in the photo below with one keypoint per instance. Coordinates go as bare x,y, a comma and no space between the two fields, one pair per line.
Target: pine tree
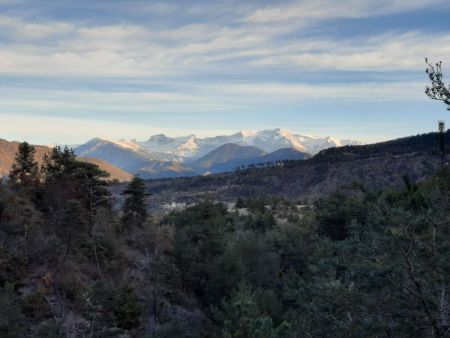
72,228
134,208
58,163
24,174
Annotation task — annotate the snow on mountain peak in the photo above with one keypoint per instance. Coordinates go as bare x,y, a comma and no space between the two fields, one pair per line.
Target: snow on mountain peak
127,144
247,133
190,146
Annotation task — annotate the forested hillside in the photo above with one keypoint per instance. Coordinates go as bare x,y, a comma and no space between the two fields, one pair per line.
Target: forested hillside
375,166
376,265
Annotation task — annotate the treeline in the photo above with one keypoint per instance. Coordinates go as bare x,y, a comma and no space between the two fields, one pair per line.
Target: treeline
58,235
427,143
72,265
423,143
374,266
295,179
270,164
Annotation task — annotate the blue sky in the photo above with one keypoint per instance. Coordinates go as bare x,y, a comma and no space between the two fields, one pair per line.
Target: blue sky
72,70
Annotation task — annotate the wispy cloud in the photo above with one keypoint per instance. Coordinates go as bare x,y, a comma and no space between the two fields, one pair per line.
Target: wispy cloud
227,56
389,51
366,92
313,10
137,50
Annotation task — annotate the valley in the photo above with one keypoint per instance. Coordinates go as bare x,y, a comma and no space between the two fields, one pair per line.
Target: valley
348,169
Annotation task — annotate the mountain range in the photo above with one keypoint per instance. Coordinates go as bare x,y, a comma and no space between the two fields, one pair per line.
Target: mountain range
267,140
397,163
163,156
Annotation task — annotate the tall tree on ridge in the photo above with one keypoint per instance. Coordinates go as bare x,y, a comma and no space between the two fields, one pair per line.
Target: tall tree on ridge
24,174
441,92
134,208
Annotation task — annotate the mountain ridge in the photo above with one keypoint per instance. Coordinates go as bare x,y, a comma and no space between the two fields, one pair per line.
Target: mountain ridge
383,164
163,156
268,140
228,152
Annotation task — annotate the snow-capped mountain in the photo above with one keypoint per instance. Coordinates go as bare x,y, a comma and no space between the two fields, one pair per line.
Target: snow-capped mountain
123,154
183,146
267,140
164,156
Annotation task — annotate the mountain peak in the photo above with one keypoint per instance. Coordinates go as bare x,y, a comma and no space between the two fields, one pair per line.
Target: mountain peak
158,137
246,133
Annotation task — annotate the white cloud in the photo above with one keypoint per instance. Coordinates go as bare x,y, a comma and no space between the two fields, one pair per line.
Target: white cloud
119,103
311,10
134,50
208,98
397,91
23,30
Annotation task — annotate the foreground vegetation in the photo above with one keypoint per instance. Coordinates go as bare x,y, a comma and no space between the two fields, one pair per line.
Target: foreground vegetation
73,265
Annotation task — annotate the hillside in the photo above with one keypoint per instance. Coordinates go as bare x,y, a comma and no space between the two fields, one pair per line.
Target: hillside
266,267
283,154
377,165
244,157
229,152
8,151
115,172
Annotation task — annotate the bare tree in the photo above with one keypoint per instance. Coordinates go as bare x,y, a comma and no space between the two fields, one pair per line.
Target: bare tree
438,89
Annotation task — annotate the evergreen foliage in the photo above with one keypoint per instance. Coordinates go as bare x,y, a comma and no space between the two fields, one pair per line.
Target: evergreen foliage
376,265
24,174
135,208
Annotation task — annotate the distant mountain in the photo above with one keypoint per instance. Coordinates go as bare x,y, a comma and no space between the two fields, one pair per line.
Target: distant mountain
267,140
163,156
8,152
167,169
283,154
127,156
223,158
184,146
384,164
228,152
133,158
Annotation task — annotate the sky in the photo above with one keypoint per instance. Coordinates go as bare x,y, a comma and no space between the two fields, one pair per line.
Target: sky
353,69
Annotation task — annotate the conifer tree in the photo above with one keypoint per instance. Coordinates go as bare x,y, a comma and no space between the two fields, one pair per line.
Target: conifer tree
72,228
58,163
134,208
24,174
66,178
